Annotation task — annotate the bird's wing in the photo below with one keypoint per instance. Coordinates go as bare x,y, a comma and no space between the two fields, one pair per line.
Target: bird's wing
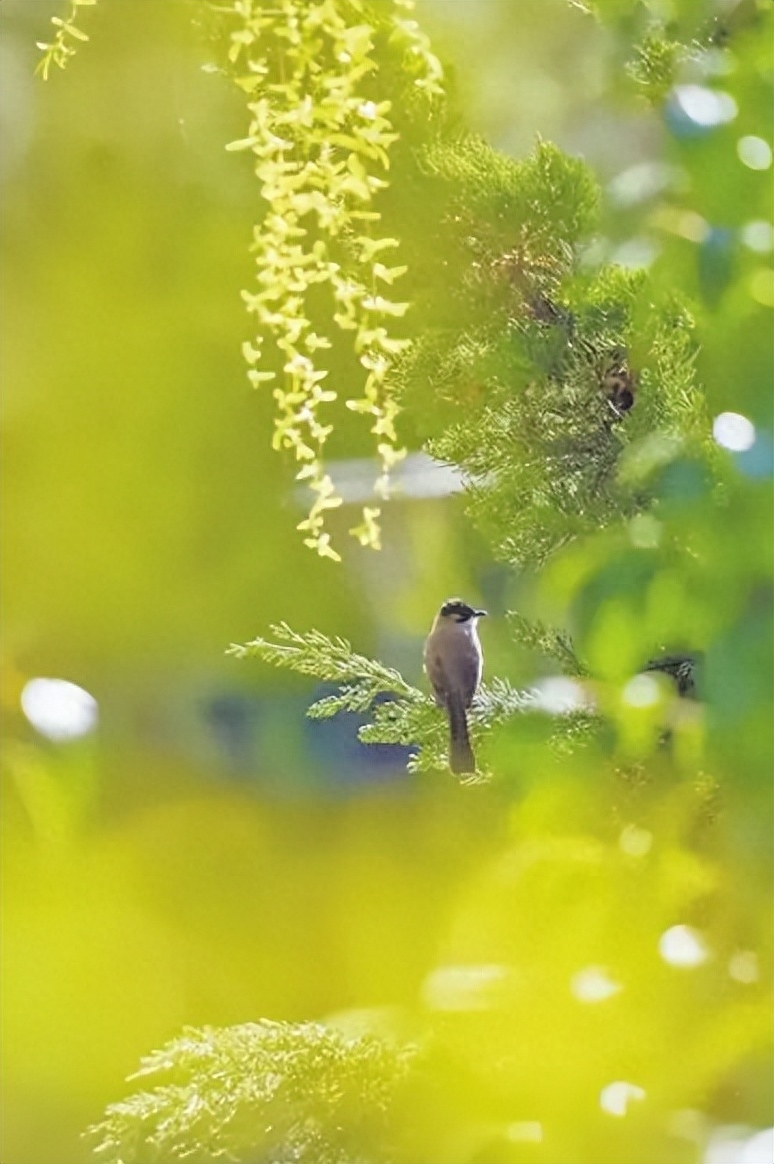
461,673
469,675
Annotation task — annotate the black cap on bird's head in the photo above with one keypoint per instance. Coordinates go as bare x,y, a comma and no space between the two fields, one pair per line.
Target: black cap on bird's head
458,610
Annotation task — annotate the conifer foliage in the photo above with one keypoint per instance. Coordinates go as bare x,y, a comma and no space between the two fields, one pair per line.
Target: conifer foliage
296,1094
555,374
568,390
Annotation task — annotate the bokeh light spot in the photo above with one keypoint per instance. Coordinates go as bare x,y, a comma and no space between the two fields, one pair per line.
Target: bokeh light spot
743,967
463,988
754,152
616,1097
688,1123
706,107
594,984
559,696
759,1149
758,236
641,691
644,531
688,224
525,1132
634,841
58,709
762,286
636,253
642,181
683,946
733,431
730,1145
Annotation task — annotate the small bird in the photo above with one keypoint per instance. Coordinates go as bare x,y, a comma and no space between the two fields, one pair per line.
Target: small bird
454,662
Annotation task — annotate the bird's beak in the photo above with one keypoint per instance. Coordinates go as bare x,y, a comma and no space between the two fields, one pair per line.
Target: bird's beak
480,613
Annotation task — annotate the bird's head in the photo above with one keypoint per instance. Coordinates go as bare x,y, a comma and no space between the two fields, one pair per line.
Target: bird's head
455,610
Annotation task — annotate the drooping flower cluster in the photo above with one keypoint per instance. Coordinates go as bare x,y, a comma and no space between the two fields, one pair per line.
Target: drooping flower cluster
321,145
61,48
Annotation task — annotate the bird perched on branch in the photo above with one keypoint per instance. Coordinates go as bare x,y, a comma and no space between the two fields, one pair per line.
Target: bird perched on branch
454,662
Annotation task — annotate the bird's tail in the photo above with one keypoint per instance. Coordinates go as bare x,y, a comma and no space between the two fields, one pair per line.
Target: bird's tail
461,758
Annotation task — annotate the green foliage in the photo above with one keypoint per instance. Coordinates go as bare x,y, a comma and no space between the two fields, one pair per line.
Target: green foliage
320,135
551,642
560,991
563,378
265,1091
63,46
663,43
655,65
593,976
518,220
332,660
407,716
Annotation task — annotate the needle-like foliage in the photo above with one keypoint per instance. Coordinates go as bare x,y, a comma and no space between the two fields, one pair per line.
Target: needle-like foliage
553,377
399,713
564,385
259,1093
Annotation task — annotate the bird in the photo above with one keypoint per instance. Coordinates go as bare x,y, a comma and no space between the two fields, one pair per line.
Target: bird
454,662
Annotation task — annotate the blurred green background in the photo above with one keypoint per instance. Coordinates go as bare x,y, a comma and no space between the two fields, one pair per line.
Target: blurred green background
208,856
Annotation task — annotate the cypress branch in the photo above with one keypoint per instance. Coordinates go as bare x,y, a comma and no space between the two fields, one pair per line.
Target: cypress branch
550,641
408,717
264,1091
328,659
